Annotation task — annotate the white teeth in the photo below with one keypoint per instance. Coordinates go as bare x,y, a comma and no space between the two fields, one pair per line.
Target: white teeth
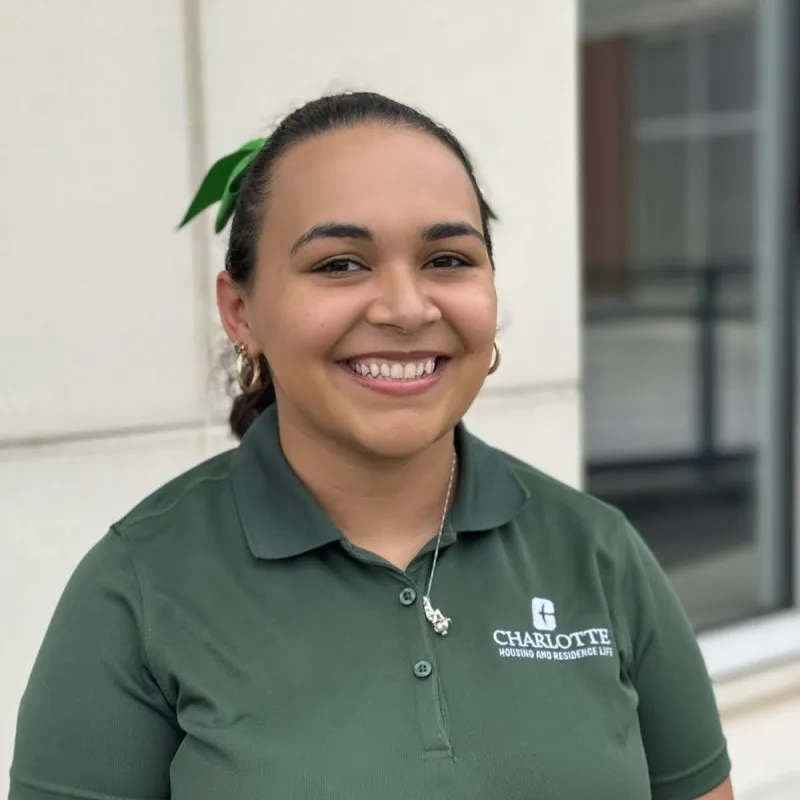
394,371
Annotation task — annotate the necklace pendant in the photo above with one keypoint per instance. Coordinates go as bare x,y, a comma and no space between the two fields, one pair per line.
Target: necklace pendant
439,621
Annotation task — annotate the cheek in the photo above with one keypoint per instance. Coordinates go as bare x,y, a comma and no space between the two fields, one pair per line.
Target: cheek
473,314
300,326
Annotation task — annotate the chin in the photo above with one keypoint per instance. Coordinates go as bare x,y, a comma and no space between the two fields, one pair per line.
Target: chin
401,436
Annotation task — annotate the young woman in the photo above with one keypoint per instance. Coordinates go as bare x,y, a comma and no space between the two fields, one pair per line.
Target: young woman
362,600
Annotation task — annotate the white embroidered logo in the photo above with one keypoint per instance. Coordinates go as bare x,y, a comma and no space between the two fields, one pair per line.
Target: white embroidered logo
544,614
544,644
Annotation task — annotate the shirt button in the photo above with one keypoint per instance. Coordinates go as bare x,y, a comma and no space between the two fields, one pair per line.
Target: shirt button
408,597
423,669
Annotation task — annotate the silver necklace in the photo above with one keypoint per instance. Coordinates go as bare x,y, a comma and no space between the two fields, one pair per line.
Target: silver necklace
438,620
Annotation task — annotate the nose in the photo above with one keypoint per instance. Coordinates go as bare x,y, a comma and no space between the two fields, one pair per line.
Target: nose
403,300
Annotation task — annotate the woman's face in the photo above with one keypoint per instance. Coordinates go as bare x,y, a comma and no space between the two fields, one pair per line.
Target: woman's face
374,300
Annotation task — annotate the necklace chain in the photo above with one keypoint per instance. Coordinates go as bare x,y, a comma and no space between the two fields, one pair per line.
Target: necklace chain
439,621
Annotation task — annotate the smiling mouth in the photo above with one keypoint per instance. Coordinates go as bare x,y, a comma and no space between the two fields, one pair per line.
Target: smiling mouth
396,371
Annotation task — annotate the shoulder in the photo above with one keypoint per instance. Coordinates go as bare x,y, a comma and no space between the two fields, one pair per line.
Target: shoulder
571,513
187,497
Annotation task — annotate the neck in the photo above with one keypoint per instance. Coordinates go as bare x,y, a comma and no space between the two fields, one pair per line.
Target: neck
389,506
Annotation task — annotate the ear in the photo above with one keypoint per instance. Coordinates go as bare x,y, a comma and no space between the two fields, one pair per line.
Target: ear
233,313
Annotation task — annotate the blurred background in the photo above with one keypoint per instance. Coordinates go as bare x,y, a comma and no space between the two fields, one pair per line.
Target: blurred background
642,157
689,188
675,383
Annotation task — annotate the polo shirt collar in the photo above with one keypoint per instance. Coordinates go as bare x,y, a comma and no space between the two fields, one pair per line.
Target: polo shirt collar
281,519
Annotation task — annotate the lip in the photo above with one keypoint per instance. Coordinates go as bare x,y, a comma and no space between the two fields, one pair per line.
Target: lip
402,388
397,355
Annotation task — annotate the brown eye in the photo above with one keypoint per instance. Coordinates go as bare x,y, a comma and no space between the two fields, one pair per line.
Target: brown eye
447,262
340,266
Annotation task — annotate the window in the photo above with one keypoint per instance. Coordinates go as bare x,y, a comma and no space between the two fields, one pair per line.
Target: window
671,331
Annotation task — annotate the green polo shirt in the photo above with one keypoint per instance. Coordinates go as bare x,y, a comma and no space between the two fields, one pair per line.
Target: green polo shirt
224,640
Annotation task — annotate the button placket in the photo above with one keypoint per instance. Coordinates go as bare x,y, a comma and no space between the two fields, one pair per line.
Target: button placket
428,691
426,686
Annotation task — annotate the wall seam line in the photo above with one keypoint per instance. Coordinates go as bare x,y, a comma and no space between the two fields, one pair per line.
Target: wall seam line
197,149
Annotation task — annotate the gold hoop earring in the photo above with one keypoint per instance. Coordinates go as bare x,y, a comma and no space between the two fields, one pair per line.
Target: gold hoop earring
495,358
248,370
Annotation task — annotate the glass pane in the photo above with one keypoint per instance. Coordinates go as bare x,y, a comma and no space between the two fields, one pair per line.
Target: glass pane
660,77
660,203
731,67
633,412
731,179
737,369
671,433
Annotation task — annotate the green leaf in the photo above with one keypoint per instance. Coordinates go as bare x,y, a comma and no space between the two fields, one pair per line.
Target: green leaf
231,190
218,181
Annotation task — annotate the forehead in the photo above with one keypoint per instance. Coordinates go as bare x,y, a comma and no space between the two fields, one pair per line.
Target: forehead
372,174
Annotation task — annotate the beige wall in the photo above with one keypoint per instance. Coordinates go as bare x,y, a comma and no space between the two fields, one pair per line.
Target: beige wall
106,319
94,171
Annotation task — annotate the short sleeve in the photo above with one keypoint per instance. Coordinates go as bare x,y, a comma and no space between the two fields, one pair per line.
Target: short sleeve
93,722
686,751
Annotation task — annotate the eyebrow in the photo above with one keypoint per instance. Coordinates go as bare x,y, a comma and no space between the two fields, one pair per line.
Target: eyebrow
451,230
333,230
346,230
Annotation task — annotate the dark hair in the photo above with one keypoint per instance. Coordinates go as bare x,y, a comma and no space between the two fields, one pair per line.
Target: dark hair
320,116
